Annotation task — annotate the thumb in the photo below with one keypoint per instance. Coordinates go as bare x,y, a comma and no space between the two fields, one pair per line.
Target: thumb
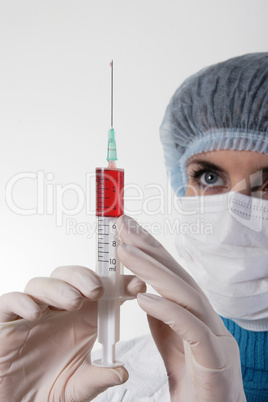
89,381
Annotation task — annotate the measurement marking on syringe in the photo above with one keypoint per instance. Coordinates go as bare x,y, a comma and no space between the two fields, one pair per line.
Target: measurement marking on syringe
109,207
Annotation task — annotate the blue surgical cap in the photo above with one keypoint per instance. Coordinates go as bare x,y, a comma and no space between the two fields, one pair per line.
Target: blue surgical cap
224,106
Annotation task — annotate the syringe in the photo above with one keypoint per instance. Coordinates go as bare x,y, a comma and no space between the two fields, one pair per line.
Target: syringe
110,205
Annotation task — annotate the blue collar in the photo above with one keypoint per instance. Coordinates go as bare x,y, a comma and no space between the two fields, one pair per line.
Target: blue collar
254,360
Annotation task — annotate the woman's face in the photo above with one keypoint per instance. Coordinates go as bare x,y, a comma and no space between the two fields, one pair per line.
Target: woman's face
218,172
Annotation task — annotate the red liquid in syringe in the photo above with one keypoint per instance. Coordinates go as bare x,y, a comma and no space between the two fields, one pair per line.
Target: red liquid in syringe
109,192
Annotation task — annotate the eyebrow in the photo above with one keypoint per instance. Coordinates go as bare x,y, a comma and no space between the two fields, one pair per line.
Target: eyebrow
205,165
209,165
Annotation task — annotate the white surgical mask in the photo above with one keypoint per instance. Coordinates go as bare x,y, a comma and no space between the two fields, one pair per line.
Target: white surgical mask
223,240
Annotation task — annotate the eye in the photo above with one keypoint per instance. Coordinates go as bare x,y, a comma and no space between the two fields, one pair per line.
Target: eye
206,179
210,178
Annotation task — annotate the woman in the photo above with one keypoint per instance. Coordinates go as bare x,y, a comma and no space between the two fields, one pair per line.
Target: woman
215,138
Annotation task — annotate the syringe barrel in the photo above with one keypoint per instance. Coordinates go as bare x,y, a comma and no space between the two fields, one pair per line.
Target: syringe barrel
109,206
109,192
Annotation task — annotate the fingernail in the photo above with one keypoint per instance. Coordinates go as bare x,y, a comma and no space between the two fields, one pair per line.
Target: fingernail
129,224
77,303
90,285
137,286
96,293
120,221
93,280
122,375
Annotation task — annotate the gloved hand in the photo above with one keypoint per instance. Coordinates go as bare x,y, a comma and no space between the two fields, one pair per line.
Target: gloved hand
200,355
46,335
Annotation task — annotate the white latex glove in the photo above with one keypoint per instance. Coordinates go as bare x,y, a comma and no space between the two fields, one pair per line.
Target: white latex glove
201,356
46,335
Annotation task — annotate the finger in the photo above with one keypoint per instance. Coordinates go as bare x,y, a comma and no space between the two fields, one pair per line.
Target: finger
130,232
169,285
89,381
157,275
133,285
87,282
169,344
54,292
128,228
16,304
203,343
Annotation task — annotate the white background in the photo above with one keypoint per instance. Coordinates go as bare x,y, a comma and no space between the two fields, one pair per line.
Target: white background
55,105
